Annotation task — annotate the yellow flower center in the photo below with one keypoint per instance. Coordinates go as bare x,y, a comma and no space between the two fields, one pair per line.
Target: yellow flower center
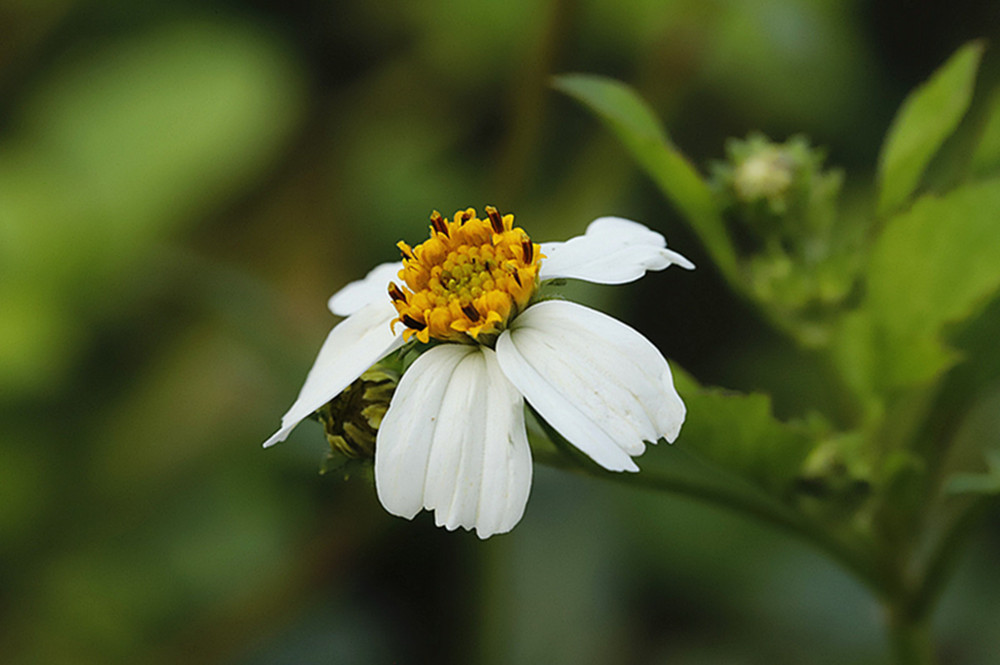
467,280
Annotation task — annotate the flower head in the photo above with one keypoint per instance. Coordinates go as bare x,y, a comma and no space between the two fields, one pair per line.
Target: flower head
453,439
467,280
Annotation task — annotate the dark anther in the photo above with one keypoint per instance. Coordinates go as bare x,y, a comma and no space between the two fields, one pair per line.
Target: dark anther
410,322
464,216
529,250
471,312
406,252
495,219
438,223
395,293
517,278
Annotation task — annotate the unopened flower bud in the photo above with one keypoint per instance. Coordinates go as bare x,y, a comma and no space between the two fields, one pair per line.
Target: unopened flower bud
765,175
779,190
351,419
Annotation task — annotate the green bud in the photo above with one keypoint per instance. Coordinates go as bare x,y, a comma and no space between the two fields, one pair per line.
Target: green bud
778,192
352,418
797,255
836,478
764,176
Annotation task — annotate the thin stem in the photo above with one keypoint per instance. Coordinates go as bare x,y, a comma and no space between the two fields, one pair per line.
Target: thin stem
734,495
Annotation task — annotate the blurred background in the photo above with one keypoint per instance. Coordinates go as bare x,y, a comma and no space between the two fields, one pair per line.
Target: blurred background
182,186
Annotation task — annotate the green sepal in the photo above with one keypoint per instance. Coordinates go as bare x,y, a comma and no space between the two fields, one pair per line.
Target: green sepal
335,463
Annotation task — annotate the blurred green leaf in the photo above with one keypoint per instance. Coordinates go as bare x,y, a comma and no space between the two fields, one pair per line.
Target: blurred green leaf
638,128
932,265
986,156
38,338
144,135
925,120
740,433
978,483
114,151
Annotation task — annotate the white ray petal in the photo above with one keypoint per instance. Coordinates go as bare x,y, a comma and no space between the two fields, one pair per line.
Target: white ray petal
598,382
354,345
454,441
374,286
612,251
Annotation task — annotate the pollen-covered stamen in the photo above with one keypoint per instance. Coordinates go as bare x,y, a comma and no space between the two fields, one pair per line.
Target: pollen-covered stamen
410,322
529,250
395,293
468,279
438,222
495,220
470,312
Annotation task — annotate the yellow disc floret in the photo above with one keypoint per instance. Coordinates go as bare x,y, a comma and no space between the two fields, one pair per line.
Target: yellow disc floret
467,280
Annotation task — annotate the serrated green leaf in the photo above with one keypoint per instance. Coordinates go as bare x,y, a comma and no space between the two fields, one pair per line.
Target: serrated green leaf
740,433
925,120
638,128
932,265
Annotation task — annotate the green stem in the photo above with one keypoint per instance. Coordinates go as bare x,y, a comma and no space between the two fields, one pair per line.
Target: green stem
909,637
733,494
941,562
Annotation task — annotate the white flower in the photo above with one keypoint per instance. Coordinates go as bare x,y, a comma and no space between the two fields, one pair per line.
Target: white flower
453,440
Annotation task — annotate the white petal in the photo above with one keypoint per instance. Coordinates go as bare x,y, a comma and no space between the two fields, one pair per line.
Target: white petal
454,441
598,382
612,251
362,292
354,345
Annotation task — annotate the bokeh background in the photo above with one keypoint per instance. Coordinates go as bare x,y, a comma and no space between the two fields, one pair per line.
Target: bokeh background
183,184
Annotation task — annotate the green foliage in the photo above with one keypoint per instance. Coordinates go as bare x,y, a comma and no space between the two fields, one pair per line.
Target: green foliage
641,133
986,156
740,433
782,203
183,184
107,160
978,483
935,264
926,119
780,189
877,297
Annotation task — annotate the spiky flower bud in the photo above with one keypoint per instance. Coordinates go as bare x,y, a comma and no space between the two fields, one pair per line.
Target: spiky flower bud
778,191
781,207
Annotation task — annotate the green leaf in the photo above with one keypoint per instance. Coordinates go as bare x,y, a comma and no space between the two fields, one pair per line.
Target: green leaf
933,265
978,483
638,128
986,156
729,440
740,433
139,138
926,119
114,151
